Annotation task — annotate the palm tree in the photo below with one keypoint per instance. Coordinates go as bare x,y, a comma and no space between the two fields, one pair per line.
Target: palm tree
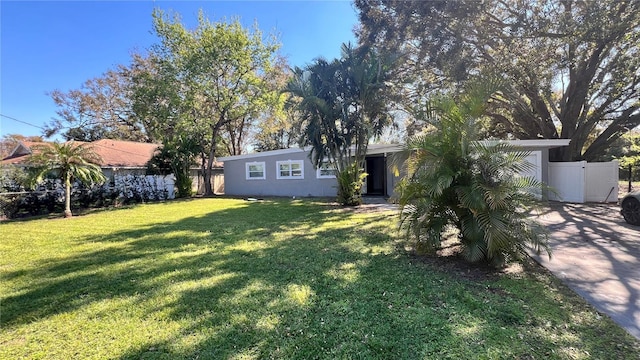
455,180
343,105
68,161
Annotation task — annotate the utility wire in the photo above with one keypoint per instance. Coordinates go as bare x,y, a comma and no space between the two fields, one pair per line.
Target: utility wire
20,121
91,142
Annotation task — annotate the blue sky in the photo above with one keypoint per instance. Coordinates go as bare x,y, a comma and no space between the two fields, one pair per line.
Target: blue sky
48,45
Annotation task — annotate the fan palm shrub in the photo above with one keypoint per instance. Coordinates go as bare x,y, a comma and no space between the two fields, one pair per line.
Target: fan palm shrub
453,179
67,161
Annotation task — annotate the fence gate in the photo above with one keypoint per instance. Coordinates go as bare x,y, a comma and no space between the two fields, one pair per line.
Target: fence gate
568,180
602,181
581,181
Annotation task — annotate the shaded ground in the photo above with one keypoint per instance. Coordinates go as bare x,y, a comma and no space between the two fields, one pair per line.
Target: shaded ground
595,253
598,255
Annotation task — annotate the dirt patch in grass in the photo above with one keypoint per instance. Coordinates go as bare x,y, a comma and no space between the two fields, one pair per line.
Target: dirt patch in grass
449,260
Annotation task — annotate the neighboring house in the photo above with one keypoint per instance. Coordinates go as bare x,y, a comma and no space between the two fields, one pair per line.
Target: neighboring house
119,158
289,172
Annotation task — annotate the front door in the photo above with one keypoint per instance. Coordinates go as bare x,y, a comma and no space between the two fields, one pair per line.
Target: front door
375,167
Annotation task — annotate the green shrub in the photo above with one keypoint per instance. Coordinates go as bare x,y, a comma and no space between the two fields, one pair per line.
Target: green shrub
455,180
350,181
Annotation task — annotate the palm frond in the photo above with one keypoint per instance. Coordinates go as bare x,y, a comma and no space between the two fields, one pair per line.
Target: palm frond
452,178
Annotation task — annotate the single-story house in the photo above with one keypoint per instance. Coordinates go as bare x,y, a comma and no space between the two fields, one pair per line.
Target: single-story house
118,158
290,172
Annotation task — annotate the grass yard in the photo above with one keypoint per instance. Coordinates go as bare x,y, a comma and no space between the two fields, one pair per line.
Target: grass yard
230,279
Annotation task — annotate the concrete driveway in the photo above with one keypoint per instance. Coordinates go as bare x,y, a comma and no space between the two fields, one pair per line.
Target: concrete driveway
598,255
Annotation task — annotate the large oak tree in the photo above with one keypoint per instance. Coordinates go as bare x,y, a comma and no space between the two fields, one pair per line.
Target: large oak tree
572,66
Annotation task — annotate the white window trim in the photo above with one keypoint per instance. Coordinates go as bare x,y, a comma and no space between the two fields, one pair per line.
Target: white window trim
320,176
290,162
264,170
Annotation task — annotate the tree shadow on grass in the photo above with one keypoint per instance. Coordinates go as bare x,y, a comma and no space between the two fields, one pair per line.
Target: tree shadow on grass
283,280
140,254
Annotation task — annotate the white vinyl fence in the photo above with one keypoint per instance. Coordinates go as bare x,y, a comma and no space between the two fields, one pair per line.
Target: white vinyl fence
581,181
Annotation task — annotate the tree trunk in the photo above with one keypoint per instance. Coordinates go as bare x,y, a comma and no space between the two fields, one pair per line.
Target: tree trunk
208,189
67,198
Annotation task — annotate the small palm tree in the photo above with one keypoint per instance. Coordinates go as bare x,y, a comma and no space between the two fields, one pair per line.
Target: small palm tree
455,180
67,161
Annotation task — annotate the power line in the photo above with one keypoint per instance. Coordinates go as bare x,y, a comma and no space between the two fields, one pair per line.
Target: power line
20,121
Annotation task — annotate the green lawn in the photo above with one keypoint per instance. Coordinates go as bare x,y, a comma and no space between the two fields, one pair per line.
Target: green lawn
230,279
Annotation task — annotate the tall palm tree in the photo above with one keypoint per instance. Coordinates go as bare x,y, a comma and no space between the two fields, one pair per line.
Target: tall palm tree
343,104
68,161
456,180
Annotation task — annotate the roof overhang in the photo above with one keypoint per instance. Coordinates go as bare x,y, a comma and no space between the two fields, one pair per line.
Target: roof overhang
376,149
532,145
263,154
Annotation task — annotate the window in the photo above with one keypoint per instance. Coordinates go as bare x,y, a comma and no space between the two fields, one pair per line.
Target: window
326,171
255,171
290,169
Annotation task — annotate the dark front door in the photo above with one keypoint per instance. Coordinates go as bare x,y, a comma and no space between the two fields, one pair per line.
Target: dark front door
376,177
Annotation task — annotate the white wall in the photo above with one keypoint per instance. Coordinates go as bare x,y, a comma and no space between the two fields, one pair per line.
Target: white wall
535,159
568,181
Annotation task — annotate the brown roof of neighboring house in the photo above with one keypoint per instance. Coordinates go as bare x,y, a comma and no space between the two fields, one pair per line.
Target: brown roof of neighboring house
21,152
113,153
117,153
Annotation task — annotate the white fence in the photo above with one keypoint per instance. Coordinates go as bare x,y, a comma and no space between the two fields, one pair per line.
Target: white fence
581,181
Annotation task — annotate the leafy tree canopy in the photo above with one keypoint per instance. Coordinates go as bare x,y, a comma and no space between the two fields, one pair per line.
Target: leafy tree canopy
279,126
627,151
100,109
572,66
207,83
